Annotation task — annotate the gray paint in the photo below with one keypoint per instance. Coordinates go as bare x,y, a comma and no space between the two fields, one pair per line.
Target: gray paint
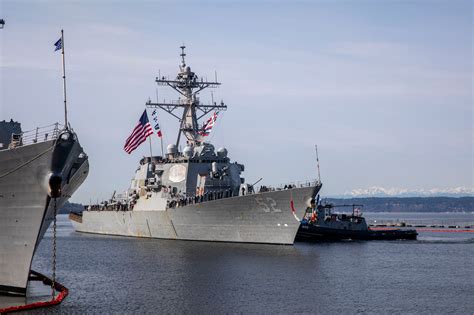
7,128
198,171
24,208
257,218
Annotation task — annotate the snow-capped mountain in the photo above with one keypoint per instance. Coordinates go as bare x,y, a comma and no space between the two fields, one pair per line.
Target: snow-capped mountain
376,191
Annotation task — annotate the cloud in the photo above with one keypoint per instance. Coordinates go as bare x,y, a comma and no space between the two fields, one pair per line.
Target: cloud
99,30
362,69
368,49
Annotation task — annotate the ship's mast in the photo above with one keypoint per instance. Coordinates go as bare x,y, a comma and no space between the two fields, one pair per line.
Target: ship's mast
188,85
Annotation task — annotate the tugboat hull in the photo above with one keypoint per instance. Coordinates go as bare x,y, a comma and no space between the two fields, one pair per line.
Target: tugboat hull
309,232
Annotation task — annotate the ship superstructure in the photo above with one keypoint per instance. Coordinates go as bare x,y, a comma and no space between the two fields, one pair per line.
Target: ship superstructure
39,171
197,193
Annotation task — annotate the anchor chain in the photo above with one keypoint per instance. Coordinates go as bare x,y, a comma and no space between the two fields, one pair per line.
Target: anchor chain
53,282
36,276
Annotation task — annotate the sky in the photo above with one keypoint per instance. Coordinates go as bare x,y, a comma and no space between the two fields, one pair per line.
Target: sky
384,88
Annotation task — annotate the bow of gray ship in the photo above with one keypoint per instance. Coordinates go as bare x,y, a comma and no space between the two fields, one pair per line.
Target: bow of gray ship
38,170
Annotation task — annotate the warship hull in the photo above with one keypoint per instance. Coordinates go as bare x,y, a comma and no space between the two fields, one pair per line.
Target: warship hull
26,209
255,218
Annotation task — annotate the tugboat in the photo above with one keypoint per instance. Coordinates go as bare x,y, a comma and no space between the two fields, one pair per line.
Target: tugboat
321,224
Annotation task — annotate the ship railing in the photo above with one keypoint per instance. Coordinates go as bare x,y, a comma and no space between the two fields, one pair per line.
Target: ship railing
179,200
37,135
114,206
289,185
183,200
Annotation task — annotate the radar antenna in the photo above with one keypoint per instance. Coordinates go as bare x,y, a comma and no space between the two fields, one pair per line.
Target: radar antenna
188,85
183,63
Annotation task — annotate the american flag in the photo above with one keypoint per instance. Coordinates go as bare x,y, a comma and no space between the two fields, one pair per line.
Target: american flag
142,130
207,127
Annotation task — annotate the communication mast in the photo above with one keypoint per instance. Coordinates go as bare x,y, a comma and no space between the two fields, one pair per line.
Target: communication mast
188,85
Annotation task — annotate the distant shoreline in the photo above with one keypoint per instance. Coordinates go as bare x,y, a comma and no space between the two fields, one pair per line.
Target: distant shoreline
410,204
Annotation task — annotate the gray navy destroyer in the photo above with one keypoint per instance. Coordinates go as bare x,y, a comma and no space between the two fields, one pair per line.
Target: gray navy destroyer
39,171
197,193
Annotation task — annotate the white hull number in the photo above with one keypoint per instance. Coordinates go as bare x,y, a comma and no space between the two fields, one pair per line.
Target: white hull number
267,204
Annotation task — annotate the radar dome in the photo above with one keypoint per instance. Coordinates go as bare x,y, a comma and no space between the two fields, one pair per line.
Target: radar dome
172,149
222,152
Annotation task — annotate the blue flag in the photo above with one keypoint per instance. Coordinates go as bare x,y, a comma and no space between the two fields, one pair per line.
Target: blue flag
58,44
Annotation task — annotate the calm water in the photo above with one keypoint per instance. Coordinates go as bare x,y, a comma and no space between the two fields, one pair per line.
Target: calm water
433,275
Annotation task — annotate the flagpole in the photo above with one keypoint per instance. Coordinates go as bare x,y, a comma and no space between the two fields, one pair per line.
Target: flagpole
151,153
162,152
161,138
64,79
